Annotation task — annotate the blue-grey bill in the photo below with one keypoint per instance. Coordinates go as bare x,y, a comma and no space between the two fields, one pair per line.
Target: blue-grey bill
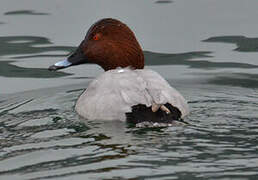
60,65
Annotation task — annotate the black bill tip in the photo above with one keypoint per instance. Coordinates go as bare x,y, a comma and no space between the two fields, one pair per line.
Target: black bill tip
54,68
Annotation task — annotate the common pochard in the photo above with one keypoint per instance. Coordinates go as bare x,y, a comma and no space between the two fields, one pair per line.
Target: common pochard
125,91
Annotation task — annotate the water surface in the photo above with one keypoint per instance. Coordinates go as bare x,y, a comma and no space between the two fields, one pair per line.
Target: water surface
205,49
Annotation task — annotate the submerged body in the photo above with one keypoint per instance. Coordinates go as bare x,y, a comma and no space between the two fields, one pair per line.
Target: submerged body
111,95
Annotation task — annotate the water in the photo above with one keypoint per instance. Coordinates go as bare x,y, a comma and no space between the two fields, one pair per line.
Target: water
205,49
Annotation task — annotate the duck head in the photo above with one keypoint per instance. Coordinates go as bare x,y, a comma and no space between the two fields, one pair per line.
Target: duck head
108,43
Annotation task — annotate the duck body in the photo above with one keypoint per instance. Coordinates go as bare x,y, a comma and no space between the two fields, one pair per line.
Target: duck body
113,94
125,90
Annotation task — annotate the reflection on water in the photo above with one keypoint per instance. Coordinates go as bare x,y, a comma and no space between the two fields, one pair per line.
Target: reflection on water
10,70
244,44
14,45
185,59
236,79
152,58
163,1
24,12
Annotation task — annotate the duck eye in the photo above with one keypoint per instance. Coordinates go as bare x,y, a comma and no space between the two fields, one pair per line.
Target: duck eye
96,37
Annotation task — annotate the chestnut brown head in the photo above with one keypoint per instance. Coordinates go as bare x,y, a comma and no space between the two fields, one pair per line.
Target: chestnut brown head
108,43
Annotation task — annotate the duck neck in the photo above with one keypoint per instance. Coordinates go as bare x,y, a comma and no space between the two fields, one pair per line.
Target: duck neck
133,60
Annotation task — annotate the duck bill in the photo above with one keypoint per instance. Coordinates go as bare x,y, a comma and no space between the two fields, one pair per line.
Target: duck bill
76,58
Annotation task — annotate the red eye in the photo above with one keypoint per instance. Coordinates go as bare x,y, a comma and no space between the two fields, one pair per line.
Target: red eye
96,37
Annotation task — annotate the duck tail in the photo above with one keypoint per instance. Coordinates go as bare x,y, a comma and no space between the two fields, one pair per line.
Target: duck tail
141,114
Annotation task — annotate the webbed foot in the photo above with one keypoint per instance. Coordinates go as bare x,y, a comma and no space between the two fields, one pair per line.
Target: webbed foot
155,107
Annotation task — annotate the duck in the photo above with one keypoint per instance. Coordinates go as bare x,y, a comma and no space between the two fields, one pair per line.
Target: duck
126,91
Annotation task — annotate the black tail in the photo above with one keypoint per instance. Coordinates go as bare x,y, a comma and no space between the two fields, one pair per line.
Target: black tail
141,113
